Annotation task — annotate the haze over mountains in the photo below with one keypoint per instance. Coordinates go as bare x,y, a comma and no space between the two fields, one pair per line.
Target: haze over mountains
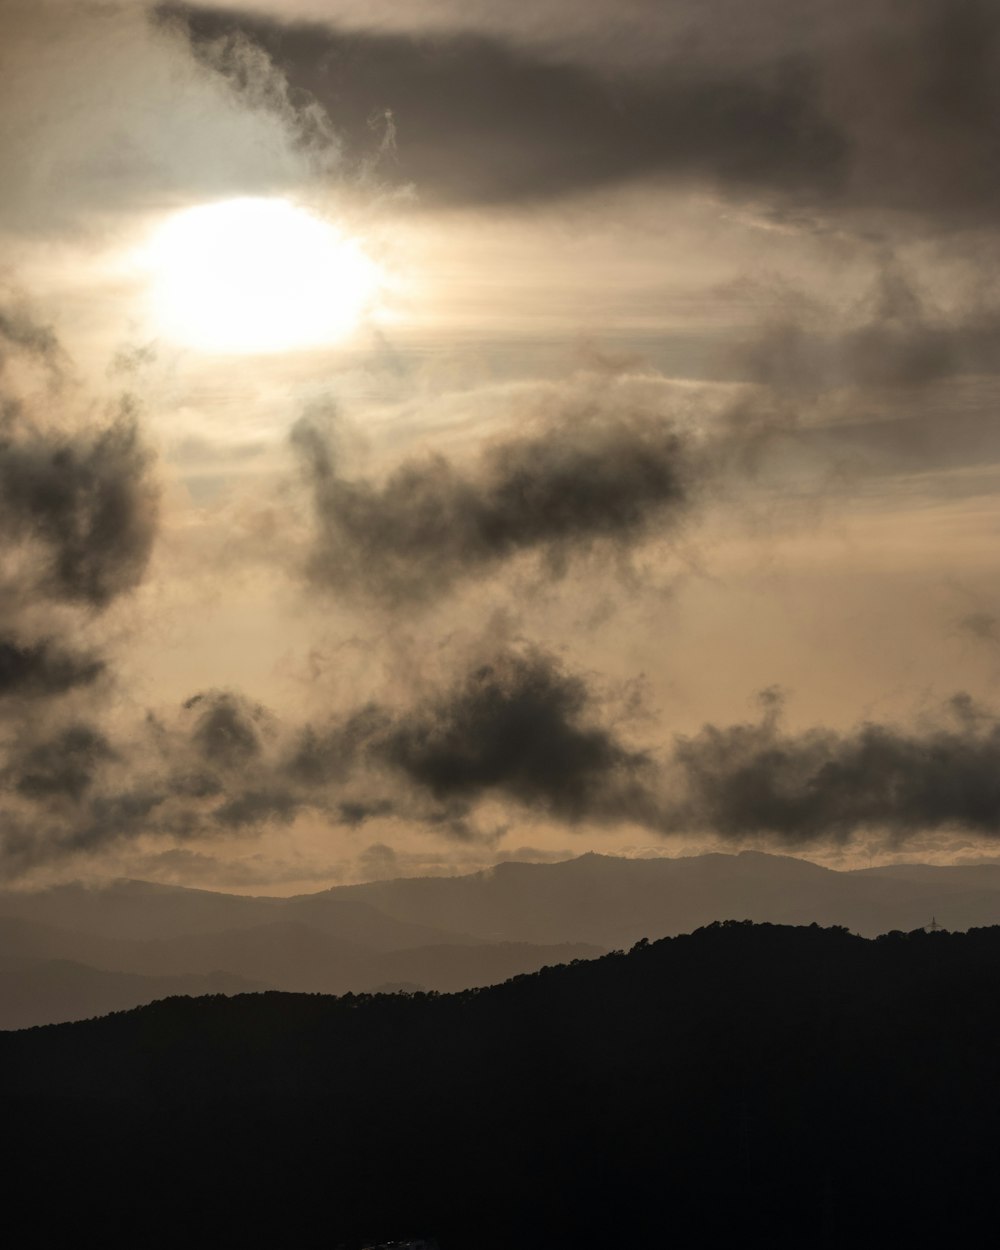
74,951
133,942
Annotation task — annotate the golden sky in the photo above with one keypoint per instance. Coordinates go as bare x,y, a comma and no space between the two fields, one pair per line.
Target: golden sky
441,432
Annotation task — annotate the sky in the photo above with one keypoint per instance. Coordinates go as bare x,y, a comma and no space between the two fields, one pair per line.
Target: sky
440,433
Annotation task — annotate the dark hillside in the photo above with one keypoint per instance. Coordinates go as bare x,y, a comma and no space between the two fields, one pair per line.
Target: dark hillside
744,1085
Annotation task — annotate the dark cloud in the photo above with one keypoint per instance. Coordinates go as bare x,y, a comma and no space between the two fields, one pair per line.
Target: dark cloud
202,775
522,727
226,730
585,480
473,119
821,785
86,500
519,728
43,669
63,767
78,511
921,99
894,109
108,818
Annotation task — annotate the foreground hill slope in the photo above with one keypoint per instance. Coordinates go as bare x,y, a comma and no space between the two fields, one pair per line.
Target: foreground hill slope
744,1085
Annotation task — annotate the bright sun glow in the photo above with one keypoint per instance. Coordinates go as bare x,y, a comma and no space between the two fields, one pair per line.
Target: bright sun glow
258,275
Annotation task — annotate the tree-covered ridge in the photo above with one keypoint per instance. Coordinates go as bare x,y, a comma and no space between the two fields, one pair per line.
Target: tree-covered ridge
745,1084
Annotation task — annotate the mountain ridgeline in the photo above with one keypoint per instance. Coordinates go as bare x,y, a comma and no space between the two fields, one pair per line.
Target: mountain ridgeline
73,952
746,1085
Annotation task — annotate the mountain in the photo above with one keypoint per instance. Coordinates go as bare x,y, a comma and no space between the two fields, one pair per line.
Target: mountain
744,1085
601,900
450,933
50,991
142,910
613,902
86,974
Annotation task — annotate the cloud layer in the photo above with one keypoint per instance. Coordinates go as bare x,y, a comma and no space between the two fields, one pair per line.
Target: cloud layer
757,779
897,112
78,517
483,120
515,732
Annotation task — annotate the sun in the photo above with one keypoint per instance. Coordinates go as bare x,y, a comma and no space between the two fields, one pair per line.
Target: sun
256,276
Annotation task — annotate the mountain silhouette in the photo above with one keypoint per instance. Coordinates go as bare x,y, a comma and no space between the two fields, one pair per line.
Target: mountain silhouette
749,1085
446,933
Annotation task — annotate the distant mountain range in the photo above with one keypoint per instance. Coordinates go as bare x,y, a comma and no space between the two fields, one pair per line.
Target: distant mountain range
47,991
614,902
76,951
50,974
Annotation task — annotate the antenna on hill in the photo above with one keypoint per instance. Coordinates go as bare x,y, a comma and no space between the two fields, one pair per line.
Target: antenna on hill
933,927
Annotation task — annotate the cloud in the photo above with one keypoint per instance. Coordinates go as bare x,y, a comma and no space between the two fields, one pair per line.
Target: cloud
893,340
518,729
42,669
256,807
354,813
922,103
20,333
982,626
328,755
820,785
78,515
247,65
379,862
63,767
481,119
517,732
588,479
226,732
523,727
84,502
862,107
107,116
